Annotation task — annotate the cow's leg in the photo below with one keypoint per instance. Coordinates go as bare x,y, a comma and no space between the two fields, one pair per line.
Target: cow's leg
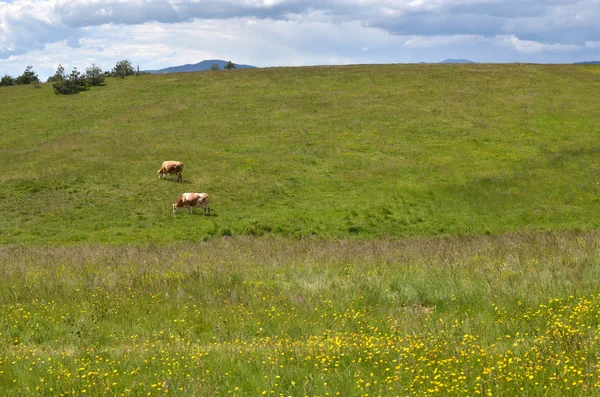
207,210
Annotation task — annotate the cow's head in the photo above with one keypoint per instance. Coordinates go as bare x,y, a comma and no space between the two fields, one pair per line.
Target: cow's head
175,208
159,173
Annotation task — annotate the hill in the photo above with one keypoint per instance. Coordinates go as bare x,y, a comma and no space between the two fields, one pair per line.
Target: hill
335,152
588,63
451,60
198,67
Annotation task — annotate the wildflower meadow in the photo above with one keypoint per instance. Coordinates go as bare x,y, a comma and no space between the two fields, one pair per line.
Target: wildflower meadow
511,315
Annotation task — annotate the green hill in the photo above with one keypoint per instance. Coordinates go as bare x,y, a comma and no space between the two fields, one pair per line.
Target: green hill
367,151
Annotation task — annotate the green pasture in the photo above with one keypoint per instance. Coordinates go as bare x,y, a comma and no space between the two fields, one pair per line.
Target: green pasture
335,152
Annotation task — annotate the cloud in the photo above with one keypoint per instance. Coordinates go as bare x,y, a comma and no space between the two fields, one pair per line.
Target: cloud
437,41
285,32
243,40
26,26
82,13
534,47
593,44
402,17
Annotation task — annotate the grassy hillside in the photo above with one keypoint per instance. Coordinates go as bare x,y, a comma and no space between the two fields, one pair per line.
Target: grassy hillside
390,150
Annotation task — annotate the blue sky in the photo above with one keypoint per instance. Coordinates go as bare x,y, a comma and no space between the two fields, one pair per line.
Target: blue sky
162,33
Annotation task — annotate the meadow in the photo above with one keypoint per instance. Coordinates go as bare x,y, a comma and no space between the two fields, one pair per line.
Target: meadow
333,152
510,315
376,230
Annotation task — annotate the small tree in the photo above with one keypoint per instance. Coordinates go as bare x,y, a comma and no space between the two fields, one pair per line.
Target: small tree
122,69
7,80
230,65
59,75
28,76
214,66
72,84
94,75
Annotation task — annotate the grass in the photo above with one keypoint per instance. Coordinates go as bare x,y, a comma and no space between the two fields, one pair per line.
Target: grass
335,152
443,224
509,315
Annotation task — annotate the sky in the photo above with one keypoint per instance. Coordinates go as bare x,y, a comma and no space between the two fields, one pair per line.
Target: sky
268,33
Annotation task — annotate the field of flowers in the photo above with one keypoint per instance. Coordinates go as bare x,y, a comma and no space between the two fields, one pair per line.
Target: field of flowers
509,315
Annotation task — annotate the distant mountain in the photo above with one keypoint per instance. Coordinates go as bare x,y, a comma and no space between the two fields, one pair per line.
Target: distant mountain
588,63
198,67
457,61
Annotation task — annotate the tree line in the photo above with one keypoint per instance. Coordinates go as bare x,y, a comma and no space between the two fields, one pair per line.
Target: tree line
74,82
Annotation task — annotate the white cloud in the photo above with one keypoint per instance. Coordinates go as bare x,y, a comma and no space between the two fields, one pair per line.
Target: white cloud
437,41
593,44
534,47
162,33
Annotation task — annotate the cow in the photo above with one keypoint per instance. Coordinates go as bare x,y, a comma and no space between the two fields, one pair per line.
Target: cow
171,167
190,200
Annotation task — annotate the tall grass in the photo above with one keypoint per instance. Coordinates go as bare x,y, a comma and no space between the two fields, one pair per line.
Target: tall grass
337,152
503,315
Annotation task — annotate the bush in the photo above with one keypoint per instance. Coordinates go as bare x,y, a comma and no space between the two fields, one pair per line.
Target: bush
7,80
59,75
94,76
28,76
122,69
72,84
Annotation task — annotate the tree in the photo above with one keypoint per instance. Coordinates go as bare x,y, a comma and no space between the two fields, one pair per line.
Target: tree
72,84
28,76
214,66
230,65
94,75
123,68
7,80
59,75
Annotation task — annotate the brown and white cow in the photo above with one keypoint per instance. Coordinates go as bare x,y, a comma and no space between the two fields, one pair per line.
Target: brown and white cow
171,167
190,200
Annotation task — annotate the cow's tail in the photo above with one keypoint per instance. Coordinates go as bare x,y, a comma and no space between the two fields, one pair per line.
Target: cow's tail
179,174
205,203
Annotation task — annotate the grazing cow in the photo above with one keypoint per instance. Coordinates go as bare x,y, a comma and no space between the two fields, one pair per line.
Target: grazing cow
171,167
190,200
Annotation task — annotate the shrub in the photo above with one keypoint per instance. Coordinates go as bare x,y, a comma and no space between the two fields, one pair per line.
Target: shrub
28,76
94,76
72,84
7,80
59,75
122,69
